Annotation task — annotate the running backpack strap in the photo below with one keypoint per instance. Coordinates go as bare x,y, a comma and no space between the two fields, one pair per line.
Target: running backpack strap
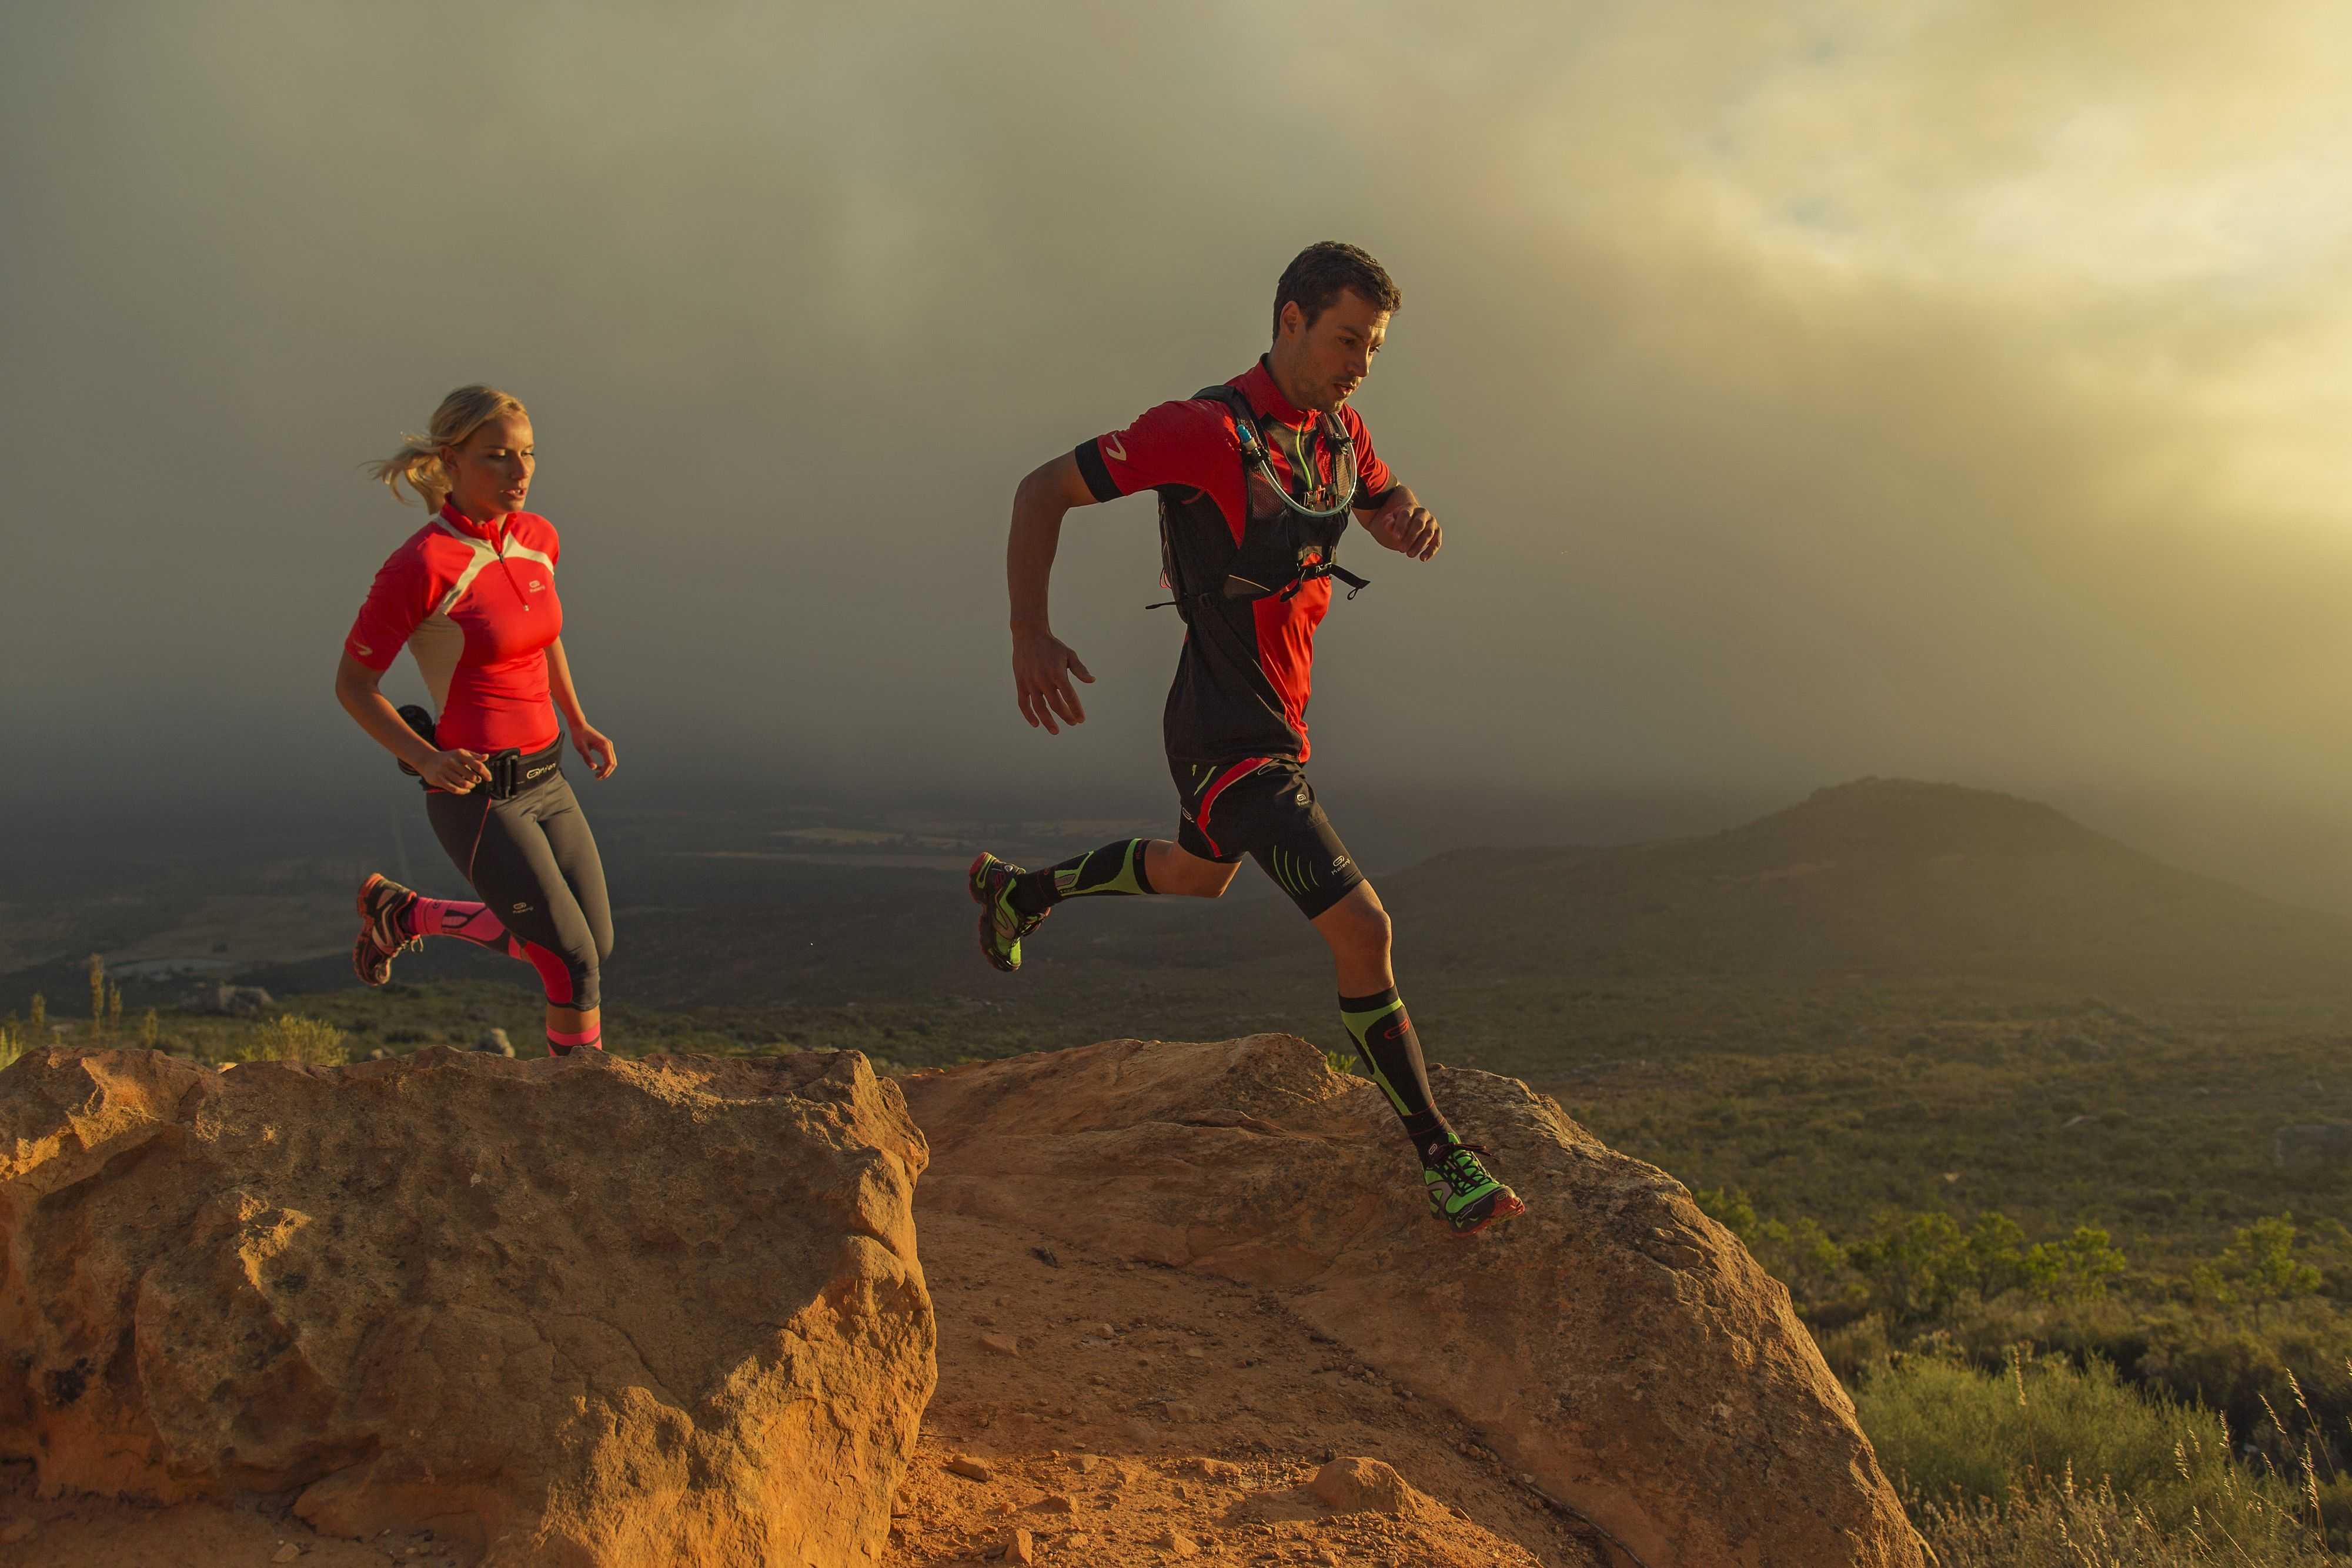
1268,559
1244,422
1253,454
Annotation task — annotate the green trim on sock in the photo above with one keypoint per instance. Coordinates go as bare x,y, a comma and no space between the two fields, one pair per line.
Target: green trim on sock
1112,869
1359,1026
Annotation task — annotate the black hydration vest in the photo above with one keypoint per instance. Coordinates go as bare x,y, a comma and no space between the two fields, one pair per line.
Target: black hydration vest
1277,556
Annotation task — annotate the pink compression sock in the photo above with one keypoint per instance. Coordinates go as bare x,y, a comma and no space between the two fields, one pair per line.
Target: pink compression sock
466,921
559,1043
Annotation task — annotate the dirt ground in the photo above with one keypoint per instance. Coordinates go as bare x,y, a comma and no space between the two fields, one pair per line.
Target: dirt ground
92,1532
1121,1415
1128,1415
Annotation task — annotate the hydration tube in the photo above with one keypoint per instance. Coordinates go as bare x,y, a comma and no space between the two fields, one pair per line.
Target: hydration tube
1254,454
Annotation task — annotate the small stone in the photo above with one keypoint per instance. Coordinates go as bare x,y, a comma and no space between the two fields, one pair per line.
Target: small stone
1021,1548
1180,1410
1176,1543
286,1553
969,1469
18,1530
1360,1485
1102,1331
1217,1471
1002,1343
1195,1352
1142,1433
1052,1503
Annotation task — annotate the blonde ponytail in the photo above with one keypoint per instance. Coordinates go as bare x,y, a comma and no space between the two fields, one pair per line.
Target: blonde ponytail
418,461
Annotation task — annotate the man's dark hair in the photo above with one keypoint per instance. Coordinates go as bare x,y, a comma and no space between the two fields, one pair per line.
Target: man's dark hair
1317,274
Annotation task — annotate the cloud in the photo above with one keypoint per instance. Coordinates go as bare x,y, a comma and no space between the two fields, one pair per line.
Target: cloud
1932,388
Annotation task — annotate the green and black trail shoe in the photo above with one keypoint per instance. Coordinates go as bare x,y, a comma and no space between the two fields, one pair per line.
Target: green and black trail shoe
1002,927
1463,1193
383,934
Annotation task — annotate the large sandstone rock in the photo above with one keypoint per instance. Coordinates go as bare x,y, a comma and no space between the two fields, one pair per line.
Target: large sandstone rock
1615,1341
590,1312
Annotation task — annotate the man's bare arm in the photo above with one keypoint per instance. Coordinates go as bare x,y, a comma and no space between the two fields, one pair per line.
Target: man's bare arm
1042,662
1403,525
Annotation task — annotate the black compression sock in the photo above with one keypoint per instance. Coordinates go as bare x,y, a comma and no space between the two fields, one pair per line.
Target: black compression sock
1384,1038
1114,868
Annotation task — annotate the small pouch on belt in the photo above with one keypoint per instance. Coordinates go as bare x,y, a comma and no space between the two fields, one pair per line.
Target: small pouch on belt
506,772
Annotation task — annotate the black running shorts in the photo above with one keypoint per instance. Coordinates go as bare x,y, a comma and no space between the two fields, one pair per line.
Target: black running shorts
1265,809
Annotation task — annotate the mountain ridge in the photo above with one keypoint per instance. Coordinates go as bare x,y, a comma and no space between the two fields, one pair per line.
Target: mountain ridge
1885,875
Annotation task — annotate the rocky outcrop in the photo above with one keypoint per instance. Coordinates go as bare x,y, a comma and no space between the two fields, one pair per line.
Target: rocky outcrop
588,1311
1614,1343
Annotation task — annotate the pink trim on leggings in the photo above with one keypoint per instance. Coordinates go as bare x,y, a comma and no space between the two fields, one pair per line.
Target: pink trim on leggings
555,974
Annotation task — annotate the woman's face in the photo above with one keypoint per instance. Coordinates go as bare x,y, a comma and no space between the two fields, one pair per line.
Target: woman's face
490,473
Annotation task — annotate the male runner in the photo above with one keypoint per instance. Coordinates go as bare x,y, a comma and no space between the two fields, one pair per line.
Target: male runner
1256,479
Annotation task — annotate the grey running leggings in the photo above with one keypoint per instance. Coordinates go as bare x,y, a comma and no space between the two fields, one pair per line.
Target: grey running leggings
533,862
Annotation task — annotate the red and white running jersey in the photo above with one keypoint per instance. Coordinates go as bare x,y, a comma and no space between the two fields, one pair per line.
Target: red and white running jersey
476,604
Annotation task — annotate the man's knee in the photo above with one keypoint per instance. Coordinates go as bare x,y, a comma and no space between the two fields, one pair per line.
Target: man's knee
1358,922
1180,872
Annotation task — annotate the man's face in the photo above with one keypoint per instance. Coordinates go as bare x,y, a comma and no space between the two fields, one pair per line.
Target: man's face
1328,360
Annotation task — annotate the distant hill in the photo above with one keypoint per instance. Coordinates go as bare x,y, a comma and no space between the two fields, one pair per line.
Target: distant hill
1882,876
1887,878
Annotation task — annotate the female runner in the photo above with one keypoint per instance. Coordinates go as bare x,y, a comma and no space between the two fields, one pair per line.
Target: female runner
472,595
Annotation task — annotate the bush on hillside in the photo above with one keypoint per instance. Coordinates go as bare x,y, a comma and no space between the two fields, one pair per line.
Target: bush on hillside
1961,1439
290,1037
2067,1526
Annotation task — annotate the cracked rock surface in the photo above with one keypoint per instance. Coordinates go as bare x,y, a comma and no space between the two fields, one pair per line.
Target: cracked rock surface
588,1311
1615,1345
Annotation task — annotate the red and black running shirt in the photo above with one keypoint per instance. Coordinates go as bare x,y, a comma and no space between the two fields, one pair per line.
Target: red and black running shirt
1241,685
476,604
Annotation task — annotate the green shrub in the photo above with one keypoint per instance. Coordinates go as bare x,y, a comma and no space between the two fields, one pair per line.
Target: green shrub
1960,1439
290,1036
1855,1351
2063,1525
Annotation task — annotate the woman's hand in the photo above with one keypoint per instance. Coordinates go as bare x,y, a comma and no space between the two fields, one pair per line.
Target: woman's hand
595,749
456,771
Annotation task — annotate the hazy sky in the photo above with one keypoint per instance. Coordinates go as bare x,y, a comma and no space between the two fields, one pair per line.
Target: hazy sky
1940,389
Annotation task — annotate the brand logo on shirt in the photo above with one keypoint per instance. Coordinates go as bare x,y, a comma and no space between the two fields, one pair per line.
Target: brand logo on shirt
536,585
1113,450
518,909
363,651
